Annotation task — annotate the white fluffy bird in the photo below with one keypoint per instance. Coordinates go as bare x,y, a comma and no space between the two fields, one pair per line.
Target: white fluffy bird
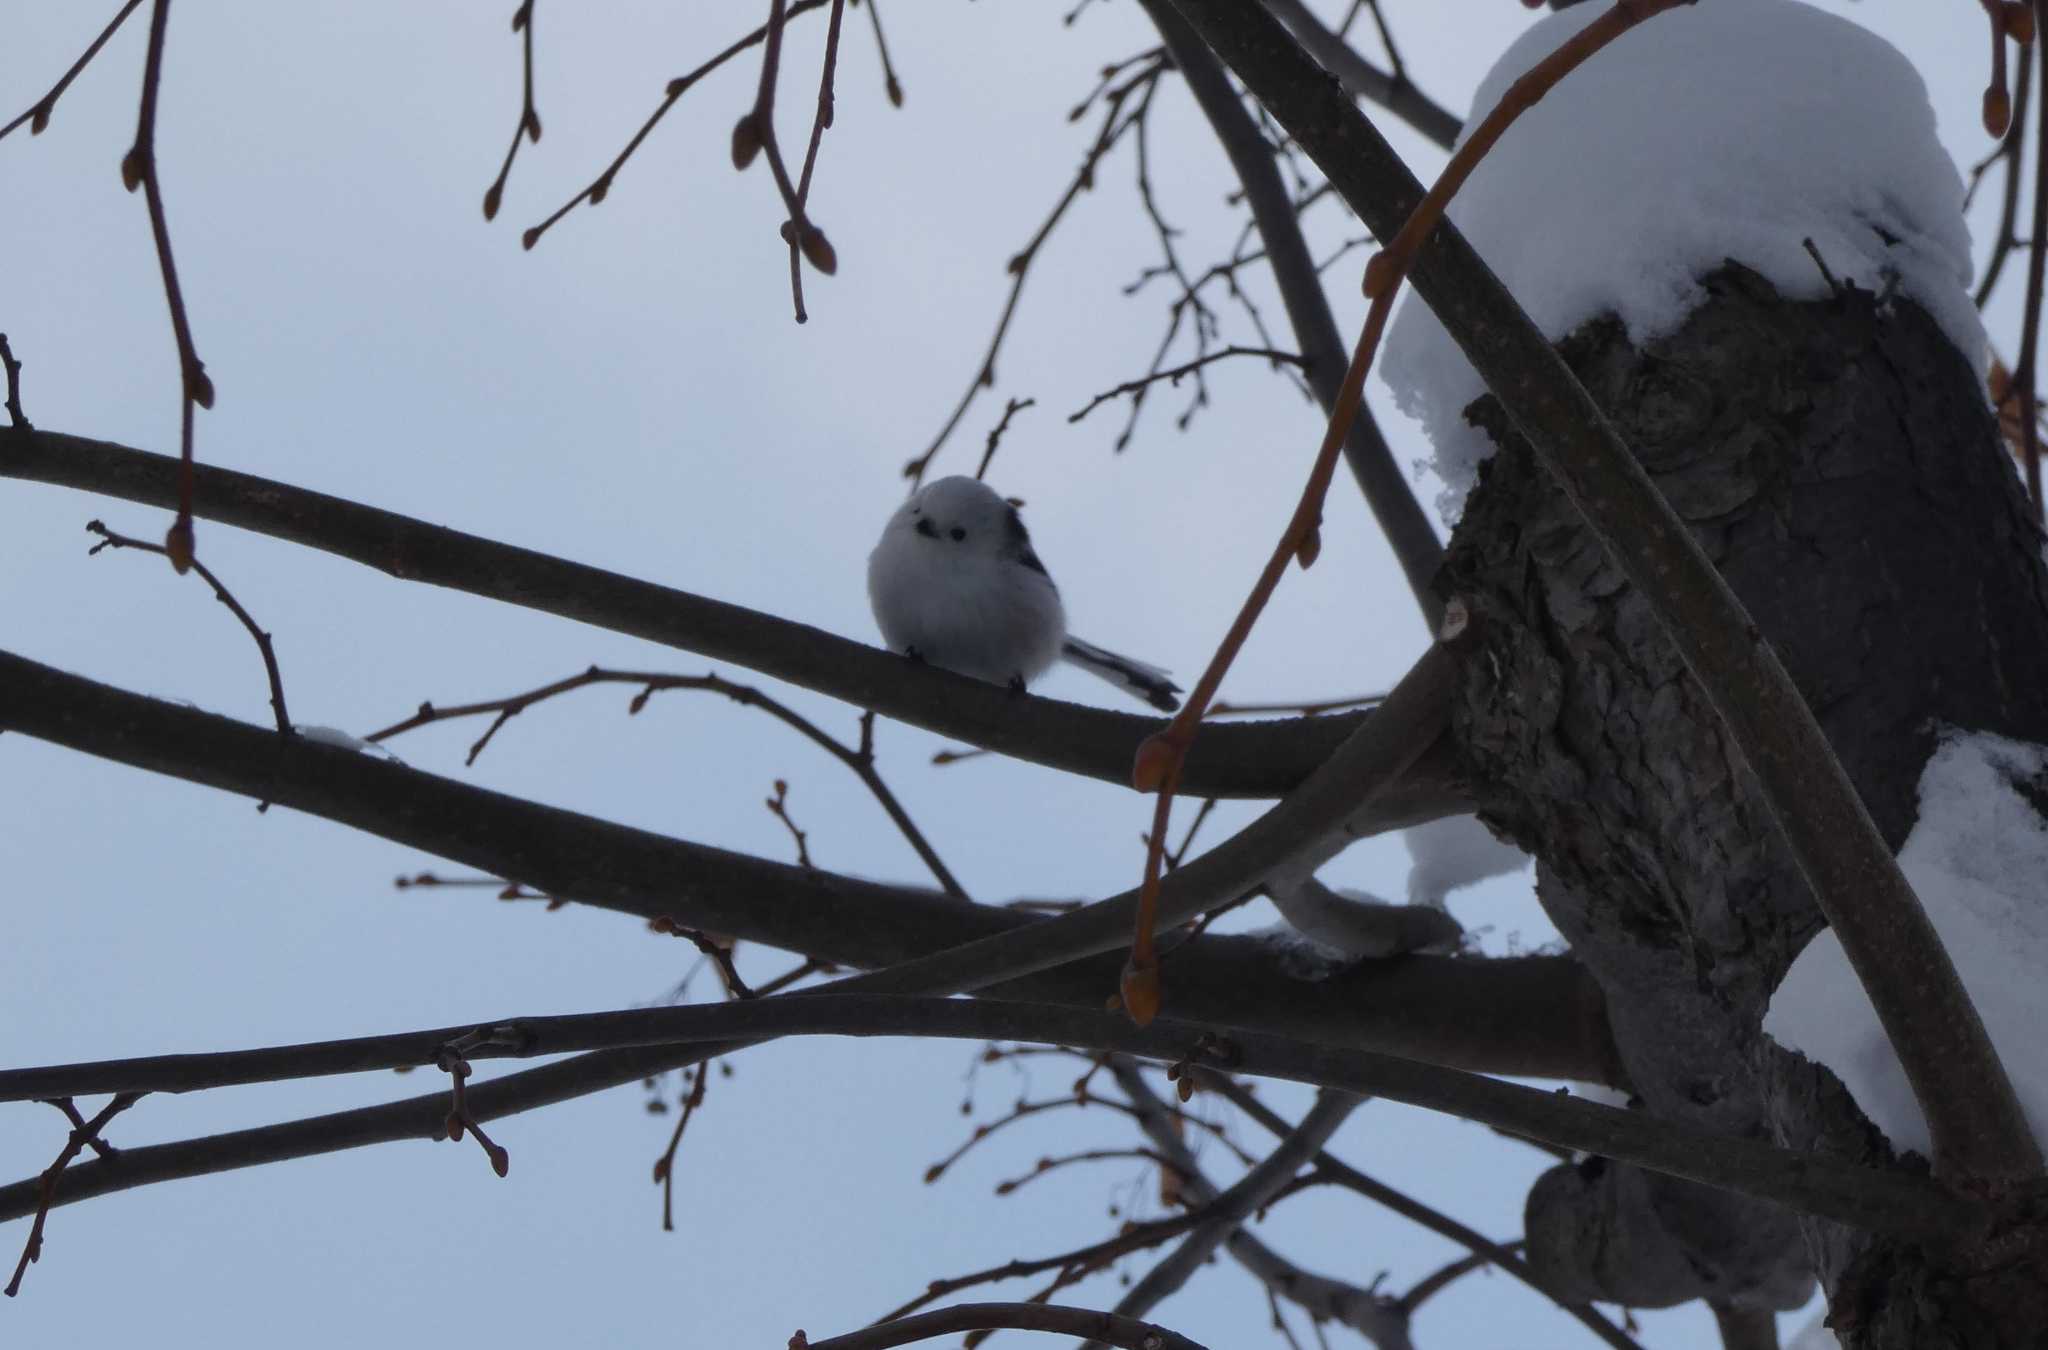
954,582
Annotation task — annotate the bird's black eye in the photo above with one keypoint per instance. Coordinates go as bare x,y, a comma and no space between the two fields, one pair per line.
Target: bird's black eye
926,528
958,534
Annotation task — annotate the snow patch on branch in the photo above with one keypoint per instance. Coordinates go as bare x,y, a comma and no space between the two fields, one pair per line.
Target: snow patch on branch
1454,852
1731,130
1978,859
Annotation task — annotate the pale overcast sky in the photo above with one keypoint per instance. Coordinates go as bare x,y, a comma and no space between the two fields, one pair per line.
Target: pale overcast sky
633,394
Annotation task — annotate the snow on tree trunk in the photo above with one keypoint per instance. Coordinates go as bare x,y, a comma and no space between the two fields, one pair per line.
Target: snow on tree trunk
1838,461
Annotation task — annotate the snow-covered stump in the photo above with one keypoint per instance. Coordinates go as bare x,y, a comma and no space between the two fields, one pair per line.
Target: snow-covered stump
1838,461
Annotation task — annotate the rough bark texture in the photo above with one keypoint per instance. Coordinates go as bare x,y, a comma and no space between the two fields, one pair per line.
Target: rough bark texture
1838,462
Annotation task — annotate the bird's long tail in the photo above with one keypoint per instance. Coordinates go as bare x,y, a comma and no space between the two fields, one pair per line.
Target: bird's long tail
1147,682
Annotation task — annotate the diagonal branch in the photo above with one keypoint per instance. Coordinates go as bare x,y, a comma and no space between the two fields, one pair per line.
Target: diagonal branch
1956,1076
1400,516
264,648
37,114
1362,79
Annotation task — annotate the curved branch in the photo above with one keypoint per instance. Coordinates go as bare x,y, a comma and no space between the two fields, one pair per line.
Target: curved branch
1235,761
1957,1078
1105,1327
1890,1200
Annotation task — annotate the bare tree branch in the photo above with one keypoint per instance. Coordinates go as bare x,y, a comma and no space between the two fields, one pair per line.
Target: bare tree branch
1105,1327
1891,1200
1362,79
1342,1174
859,758
1258,760
1226,1210
1534,1016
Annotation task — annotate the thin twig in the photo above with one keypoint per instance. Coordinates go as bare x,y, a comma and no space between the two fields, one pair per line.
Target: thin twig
2008,154
1340,1173
1136,1237
1175,374
1116,122
600,187
37,115
890,84
138,169
528,126
1444,1276
109,539
720,953
995,435
665,1165
756,132
83,1133
778,806
15,416
1276,214
858,757
2024,373
452,1062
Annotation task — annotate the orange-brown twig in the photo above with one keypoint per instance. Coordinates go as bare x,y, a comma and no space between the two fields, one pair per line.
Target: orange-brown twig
84,1134
1159,760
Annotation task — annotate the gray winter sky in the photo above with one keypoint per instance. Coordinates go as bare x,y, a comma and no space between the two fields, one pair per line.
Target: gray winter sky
633,394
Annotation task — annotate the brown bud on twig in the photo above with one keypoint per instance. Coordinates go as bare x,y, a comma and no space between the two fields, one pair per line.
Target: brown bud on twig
131,168
1310,548
818,250
2019,21
1997,111
178,544
492,197
746,140
1149,766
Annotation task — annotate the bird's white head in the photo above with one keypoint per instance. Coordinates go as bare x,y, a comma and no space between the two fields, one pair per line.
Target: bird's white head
964,514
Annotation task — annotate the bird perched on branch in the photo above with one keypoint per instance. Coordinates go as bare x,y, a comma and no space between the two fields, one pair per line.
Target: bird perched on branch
954,582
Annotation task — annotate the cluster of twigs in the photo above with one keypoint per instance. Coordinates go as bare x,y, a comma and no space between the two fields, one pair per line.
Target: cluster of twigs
859,757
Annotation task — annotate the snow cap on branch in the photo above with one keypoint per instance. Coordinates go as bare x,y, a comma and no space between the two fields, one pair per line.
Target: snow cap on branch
1732,130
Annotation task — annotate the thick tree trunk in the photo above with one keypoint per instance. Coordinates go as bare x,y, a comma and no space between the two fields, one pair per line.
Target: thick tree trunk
1838,461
